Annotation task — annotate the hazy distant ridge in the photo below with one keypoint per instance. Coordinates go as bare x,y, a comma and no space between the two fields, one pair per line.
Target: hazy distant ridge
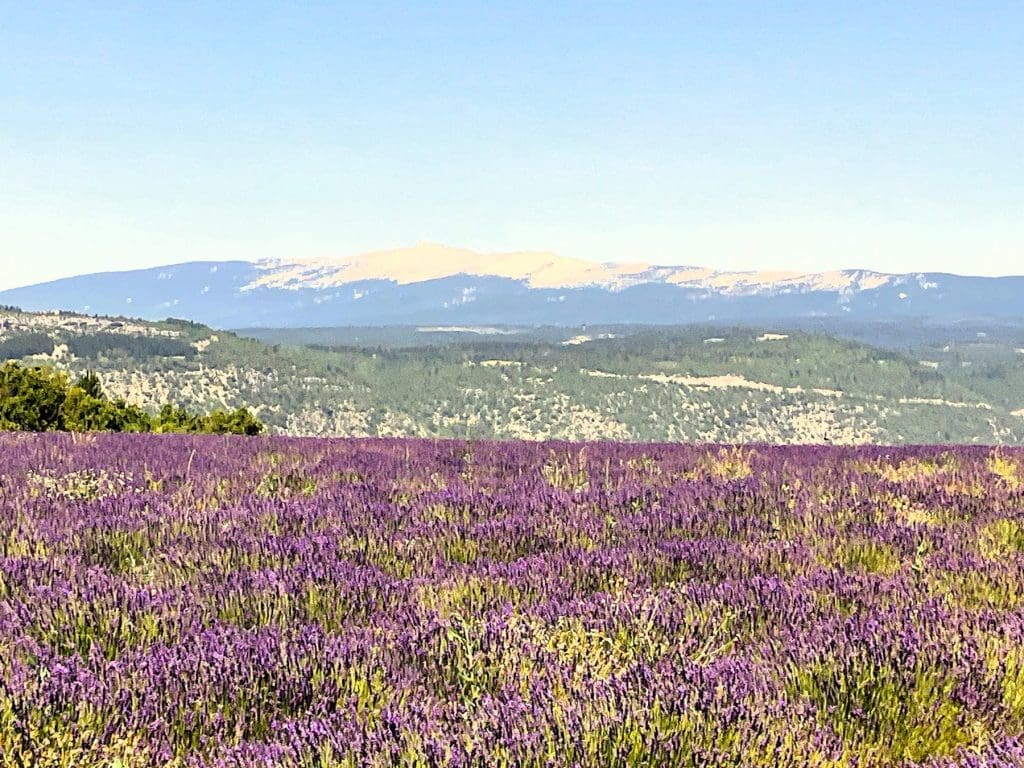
431,283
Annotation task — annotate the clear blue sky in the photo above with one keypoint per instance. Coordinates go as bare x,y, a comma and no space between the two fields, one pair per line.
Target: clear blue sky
817,135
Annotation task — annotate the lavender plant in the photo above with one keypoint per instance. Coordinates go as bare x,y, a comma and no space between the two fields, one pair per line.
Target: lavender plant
208,601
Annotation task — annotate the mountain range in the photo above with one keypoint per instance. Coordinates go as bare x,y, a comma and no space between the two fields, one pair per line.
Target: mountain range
436,284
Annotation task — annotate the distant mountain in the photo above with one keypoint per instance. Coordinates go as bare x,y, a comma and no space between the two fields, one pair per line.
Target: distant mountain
435,284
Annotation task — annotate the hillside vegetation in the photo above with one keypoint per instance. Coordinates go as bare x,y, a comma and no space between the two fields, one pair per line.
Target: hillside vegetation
721,385
42,399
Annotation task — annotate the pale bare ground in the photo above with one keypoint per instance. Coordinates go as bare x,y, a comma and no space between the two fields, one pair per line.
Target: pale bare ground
723,381
203,344
430,261
480,330
583,339
810,423
12,323
939,401
539,269
738,381
726,381
205,386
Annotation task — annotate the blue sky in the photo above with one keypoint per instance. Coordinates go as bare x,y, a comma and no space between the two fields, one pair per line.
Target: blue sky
745,135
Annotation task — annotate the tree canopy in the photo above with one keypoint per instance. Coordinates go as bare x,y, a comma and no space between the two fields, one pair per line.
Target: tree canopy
41,399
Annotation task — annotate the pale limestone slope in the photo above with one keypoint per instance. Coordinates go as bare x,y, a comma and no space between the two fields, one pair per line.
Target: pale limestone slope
430,261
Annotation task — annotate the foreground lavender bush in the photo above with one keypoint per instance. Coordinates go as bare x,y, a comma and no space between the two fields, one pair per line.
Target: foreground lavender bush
208,601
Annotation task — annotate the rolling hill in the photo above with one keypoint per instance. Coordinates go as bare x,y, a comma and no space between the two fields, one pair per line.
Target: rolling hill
717,384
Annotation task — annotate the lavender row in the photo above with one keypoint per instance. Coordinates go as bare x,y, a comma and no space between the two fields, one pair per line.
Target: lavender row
210,601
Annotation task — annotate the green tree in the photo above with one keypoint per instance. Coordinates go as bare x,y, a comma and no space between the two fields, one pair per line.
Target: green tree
39,400
82,412
90,384
133,418
175,419
31,398
240,421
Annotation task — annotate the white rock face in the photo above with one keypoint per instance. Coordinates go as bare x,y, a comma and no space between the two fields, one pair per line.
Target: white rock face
429,261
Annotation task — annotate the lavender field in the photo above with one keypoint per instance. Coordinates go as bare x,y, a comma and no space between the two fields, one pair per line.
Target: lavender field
210,601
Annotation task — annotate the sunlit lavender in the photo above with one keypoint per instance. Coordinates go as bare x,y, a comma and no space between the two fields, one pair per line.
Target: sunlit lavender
211,601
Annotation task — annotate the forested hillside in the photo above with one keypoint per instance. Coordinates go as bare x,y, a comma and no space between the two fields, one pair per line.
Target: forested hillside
735,385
